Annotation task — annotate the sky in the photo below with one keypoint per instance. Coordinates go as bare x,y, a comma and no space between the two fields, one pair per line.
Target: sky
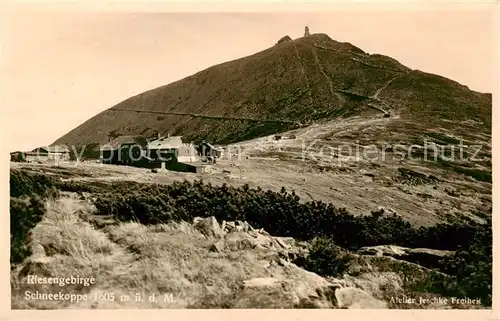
59,68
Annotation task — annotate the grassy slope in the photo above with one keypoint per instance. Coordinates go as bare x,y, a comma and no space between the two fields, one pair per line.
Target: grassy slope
131,258
174,258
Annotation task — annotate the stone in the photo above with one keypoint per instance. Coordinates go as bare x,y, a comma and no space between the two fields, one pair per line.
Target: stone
282,243
253,234
354,298
426,257
37,250
218,246
264,241
243,225
250,228
382,250
284,39
237,241
283,262
262,283
264,232
197,219
209,227
230,225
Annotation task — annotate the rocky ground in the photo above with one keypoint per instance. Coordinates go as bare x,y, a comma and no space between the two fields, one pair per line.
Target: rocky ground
206,264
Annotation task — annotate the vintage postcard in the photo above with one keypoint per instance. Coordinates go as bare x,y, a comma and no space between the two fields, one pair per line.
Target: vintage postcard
326,159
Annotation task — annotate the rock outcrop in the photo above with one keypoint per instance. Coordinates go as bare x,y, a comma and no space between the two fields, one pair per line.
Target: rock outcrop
363,285
208,226
240,235
355,298
284,39
426,257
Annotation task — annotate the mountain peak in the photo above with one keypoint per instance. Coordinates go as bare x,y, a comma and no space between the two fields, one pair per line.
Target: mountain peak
308,79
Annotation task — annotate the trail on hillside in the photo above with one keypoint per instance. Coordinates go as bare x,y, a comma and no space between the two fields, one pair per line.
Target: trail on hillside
329,81
377,108
304,73
375,95
206,116
378,91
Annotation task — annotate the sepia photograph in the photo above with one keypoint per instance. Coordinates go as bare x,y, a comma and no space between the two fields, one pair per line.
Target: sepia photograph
336,159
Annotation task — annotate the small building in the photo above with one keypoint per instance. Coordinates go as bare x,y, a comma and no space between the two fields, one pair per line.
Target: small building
43,154
208,150
168,153
33,157
18,156
172,148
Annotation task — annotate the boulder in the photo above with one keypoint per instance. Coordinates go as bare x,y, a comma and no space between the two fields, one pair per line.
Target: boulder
243,224
377,284
284,39
263,232
281,242
237,241
230,226
354,298
264,241
253,234
208,226
426,257
382,250
309,288
218,246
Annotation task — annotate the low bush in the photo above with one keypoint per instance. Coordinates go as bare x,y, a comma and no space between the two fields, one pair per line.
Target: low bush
472,265
27,206
25,213
282,214
326,258
24,183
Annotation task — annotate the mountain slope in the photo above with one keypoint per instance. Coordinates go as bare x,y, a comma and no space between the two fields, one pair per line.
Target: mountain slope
288,85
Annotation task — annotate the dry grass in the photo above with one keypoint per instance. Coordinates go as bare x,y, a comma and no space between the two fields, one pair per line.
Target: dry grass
173,261
130,258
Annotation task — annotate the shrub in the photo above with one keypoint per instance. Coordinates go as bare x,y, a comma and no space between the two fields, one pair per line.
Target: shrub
27,191
24,183
24,215
472,265
326,258
280,213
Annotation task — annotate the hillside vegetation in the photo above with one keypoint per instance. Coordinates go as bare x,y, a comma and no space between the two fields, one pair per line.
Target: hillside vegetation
308,79
335,234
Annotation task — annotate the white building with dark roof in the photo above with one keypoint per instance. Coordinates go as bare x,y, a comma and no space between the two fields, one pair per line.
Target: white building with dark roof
170,148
